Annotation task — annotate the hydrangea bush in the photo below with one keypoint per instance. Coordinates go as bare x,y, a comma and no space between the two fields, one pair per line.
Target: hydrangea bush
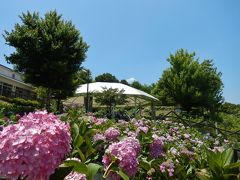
161,149
137,149
34,147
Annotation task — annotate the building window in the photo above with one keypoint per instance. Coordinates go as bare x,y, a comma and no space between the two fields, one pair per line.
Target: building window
6,90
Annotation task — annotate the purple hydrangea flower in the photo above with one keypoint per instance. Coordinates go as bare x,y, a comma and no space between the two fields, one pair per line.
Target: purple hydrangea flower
156,147
112,133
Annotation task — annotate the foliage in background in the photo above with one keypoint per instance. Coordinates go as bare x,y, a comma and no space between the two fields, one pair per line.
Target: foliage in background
49,51
143,87
124,81
110,98
106,77
190,83
83,76
230,108
21,101
18,105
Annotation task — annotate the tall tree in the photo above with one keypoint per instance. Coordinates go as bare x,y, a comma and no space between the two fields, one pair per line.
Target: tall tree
190,83
49,51
144,87
106,77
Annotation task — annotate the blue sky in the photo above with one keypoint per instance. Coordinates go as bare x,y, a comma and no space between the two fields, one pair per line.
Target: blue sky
133,38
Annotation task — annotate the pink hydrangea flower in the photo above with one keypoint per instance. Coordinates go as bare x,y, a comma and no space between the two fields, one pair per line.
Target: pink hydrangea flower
133,142
112,133
188,153
126,153
142,129
98,121
98,137
34,147
167,166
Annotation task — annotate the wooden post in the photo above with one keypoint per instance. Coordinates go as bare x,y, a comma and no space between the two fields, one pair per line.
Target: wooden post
153,112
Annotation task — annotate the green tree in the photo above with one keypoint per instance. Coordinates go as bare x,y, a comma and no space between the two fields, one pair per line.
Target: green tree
49,52
143,87
106,77
124,81
110,98
83,76
190,83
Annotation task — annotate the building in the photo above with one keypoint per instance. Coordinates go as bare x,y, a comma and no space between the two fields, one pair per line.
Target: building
12,85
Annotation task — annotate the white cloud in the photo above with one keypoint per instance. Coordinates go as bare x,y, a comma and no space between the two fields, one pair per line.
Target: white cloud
131,80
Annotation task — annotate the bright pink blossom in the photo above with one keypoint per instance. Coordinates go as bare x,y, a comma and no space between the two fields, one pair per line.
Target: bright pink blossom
34,147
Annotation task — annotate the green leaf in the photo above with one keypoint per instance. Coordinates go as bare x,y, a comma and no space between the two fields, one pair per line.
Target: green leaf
78,141
83,128
81,155
215,162
123,175
92,170
227,156
232,166
77,166
70,163
145,164
88,142
75,129
81,168
230,176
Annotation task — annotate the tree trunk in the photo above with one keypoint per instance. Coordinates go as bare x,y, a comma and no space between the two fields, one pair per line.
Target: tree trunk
48,100
59,105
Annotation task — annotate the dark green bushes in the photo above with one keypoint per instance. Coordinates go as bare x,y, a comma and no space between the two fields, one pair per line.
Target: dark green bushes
17,105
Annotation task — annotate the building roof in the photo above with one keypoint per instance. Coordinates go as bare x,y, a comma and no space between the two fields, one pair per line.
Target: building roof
98,87
7,73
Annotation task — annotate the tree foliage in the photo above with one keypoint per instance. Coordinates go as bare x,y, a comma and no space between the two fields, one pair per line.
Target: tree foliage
111,97
106,77
124,81
190,83
143,87
83,76
49,51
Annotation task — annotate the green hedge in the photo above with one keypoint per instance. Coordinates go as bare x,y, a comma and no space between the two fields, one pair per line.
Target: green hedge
9,109
17,105
20,101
